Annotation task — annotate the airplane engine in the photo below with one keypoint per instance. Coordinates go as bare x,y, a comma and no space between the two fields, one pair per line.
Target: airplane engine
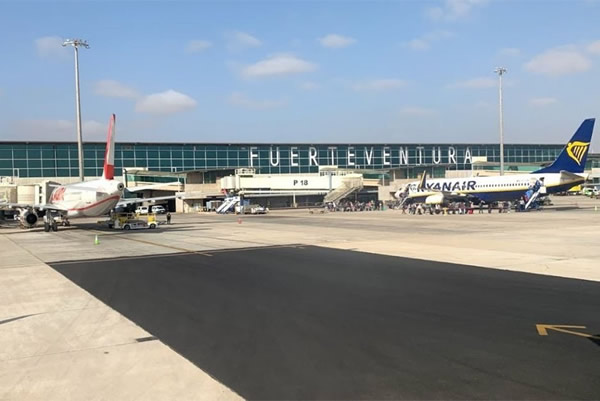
28,218
434,199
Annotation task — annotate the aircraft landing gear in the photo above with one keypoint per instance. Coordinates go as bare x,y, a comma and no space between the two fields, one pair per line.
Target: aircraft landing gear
50,223
66,222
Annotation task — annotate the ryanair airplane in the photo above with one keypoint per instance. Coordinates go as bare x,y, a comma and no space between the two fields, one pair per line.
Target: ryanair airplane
563,174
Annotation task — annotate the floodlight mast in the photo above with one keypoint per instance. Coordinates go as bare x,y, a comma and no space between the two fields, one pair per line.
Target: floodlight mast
501,71
76,43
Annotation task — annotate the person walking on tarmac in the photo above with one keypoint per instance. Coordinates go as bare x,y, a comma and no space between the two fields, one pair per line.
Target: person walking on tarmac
168,217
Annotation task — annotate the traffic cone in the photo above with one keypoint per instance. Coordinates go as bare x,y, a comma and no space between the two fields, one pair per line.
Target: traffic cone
96,240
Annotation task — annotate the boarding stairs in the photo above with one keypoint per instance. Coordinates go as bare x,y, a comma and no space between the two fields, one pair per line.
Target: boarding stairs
228,204
346,188
533,193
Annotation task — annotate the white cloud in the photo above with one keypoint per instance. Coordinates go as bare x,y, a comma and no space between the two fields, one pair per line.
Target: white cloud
166,102
283,64
594,47
197,45
307,86
509,52
542,101
379,84
475,83
51,47
559,61
416,111
111,88
453,10
241,100
418,44
95,129
60,130
241,40
424,42
336,41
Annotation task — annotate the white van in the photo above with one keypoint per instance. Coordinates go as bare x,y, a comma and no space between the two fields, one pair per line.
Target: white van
142,210
158,209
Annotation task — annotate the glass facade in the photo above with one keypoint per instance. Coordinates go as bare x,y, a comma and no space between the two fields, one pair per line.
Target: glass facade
46,160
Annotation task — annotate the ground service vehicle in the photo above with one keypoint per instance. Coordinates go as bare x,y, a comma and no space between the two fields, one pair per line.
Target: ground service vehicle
158,209
128,221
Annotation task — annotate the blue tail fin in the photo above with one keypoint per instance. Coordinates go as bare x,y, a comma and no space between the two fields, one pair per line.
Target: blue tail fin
573,156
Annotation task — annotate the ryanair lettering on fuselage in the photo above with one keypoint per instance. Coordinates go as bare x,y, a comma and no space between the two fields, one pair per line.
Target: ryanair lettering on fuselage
448,186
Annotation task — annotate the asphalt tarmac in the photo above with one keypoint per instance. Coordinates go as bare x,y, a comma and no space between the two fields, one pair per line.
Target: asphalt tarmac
318,323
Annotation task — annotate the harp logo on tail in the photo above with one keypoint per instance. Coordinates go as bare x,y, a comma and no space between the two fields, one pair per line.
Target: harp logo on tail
576,150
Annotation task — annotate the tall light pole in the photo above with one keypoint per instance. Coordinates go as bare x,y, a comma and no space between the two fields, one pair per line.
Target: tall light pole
501,71
76,43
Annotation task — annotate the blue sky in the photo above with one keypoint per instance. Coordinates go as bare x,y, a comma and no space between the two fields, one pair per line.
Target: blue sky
304,71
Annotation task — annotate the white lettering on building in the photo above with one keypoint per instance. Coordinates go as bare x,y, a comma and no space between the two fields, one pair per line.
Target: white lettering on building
451,155
438,159
369,156
386,155
351,156
420,154
312,156
332,150
253,155
468,156
403,155
294,156
276,162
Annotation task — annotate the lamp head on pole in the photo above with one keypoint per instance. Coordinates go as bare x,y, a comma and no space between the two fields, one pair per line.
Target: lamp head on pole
500,70
76,43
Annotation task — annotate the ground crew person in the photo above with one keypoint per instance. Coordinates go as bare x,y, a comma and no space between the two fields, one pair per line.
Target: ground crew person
168,217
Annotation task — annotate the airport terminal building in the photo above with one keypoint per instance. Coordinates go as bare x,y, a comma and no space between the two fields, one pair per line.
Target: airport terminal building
56,160
292,167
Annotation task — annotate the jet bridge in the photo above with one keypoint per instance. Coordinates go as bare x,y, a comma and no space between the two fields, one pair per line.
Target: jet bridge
330,183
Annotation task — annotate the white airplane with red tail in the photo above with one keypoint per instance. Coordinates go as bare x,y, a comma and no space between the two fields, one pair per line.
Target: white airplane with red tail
83,199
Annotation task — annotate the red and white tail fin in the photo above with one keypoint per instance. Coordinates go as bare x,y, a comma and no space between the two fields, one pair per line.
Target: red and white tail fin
109,156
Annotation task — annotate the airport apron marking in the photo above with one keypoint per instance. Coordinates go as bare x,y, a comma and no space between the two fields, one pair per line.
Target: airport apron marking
542,330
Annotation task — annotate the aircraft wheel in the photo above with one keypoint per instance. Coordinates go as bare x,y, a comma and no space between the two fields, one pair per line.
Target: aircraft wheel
54,227
46,227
